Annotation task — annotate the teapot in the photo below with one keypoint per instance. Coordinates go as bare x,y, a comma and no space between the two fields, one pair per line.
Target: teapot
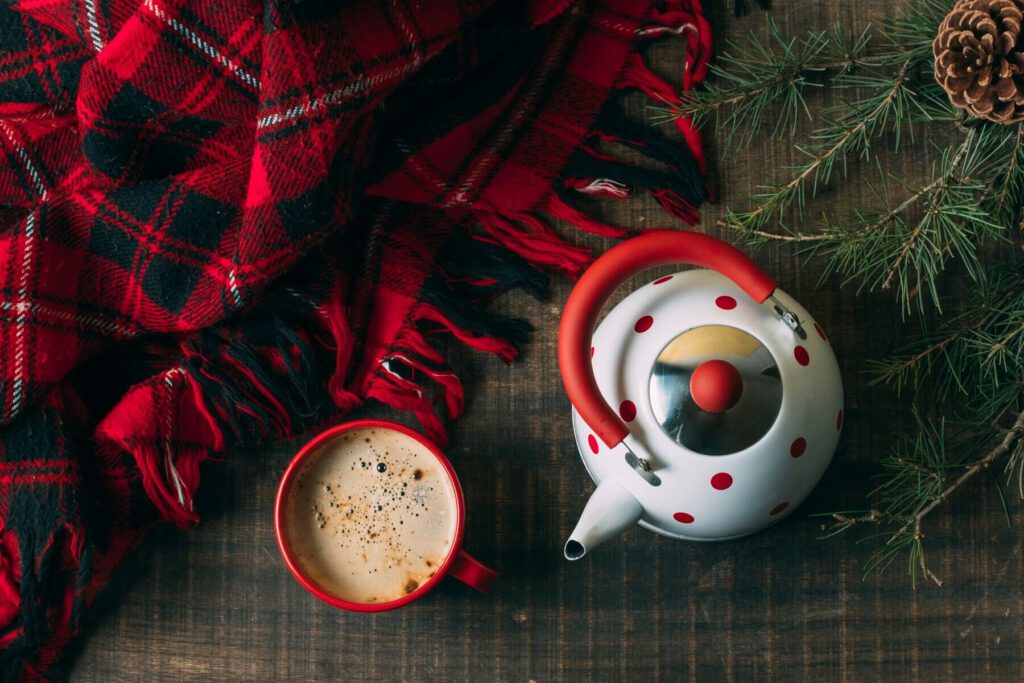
706,405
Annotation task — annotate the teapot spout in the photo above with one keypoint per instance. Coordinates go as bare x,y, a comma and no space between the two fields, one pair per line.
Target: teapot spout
610,511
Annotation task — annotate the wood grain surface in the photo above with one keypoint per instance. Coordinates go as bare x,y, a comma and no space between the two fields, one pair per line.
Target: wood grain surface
218,604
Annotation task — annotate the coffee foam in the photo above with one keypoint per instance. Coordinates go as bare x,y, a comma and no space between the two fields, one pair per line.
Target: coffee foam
371,515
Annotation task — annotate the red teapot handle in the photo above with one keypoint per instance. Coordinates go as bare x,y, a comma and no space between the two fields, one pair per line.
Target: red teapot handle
647,250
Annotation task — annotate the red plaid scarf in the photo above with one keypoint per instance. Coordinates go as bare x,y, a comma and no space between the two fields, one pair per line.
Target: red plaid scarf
225,223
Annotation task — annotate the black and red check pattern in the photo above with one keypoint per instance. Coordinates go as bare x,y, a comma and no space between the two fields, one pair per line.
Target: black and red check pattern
223,223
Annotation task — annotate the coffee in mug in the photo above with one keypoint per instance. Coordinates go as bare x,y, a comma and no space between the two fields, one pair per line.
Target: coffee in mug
369,516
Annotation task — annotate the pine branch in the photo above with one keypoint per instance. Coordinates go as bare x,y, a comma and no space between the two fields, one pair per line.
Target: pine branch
934,191
1009,186
976,364
766,235
912,527
890,250
753,78
976,352
1009,440
916,484
862,120
911,31
971,367
896,372
930,190
1003,343
907,246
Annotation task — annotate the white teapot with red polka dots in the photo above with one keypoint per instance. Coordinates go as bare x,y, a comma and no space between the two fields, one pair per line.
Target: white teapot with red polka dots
706,405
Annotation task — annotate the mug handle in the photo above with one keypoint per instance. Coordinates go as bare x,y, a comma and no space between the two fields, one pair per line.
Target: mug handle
618,264
472,572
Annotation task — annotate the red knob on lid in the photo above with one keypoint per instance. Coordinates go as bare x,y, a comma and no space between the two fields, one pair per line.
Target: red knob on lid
716,386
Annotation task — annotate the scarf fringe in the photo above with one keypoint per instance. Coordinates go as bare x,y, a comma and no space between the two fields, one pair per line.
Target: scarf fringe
637,75
510,249
41,546
230,391
479,268
271,379
338,338
403,394
684,18
532,238
680,189
590,173
170,480
675,19
413,374
273,383
405,373
43,563
558,208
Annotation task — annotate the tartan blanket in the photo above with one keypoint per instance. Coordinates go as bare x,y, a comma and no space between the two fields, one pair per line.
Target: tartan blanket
223,223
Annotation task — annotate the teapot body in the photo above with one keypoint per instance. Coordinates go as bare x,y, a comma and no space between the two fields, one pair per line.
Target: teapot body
761,462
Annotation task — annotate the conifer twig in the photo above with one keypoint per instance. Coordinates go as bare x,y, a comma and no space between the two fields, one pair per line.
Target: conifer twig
1010,438
836,142
935,187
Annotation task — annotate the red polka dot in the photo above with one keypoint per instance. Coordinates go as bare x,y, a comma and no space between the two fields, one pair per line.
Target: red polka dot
839,420
591,351
627,411
592,441
779,508
644,324
721,481
801,355
798,447
662,279
683,517
821,332
726,303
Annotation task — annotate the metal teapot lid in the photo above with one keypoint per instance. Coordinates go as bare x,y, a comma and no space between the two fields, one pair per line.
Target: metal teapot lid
715,389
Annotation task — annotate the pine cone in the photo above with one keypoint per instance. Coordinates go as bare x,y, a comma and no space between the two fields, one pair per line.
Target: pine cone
979,58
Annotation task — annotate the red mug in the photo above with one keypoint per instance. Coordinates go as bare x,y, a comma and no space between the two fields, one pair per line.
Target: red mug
458,563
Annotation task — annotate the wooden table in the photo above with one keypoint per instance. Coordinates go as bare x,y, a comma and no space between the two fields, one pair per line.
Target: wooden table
218,604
